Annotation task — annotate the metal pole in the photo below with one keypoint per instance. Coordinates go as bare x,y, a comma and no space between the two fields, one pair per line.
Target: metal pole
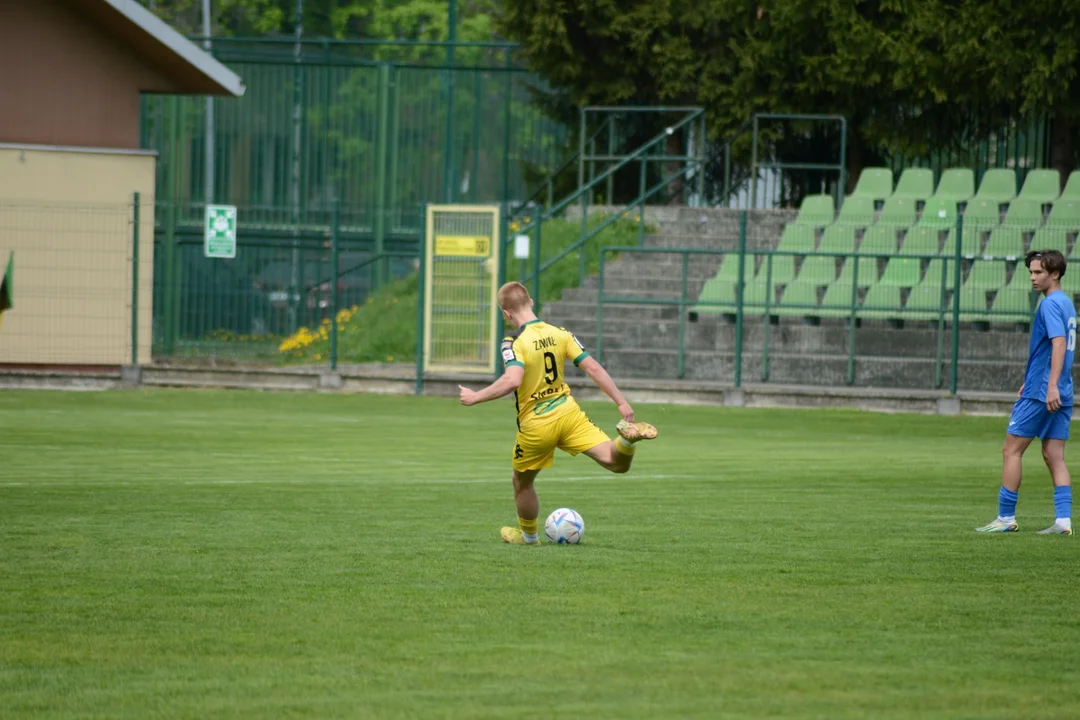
682,316
392,209
642,191
701,164
135,282
842,190
335,225
600,310
421,280
938,379
381,133
768,324
753,166
536,265
609,191
727,175
209,111
505,214
739,300
478,91
171,283
852,320
451,19
294,276
954,369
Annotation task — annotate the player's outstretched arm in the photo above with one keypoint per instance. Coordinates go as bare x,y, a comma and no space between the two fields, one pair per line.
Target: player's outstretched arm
508,383
599,375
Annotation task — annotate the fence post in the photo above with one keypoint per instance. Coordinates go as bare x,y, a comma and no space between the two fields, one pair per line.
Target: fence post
536,263
135,282
768,324
381,134
739,300
600,310
853,321
171,310
609,191
954,369
334,299
938,379
421,282
682,315
642,189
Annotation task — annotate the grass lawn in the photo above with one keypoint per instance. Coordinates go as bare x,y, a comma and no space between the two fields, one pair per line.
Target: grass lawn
198,554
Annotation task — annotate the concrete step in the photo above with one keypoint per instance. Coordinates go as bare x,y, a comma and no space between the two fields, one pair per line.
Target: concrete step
812,369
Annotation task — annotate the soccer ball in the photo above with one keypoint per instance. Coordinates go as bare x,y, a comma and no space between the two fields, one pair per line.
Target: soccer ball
564,526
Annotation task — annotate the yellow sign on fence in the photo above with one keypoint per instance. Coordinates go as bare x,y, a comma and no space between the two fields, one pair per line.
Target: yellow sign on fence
463,245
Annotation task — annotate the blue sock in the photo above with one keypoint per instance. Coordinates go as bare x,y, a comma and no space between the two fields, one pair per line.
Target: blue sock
1063,501
1007,502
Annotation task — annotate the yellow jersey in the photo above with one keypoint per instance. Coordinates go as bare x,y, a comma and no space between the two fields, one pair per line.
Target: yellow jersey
542,350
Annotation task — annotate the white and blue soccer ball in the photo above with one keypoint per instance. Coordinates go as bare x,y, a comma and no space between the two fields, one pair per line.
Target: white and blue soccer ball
564,526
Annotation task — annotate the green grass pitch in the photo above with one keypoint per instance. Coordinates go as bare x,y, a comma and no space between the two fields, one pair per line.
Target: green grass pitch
197,554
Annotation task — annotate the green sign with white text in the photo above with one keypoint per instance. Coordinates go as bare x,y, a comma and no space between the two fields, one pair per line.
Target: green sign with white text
220,231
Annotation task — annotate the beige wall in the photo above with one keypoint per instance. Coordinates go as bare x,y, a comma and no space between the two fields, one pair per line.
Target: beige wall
67,215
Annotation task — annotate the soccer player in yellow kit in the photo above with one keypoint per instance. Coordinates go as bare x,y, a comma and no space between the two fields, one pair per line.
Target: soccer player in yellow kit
547,416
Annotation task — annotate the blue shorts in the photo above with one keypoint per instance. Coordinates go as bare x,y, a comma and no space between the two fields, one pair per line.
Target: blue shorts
1031,419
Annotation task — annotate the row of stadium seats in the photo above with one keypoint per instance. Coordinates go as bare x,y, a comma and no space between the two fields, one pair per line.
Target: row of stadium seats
908,288
998,185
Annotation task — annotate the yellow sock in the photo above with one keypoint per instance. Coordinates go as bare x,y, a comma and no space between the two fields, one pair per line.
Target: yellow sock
529,528
626,448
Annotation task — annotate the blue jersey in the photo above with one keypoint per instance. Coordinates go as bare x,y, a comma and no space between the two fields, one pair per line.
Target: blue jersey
1055,317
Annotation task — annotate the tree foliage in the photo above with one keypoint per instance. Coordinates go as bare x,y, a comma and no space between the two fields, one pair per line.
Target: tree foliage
909,75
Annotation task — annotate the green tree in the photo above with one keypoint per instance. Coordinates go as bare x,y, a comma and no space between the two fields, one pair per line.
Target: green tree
909,76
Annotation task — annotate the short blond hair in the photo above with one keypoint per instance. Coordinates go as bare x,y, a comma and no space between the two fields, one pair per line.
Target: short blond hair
513,297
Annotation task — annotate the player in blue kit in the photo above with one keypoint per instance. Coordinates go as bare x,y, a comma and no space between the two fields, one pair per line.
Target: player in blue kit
1045,403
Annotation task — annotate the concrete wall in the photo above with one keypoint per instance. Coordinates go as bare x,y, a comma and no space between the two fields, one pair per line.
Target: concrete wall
67,215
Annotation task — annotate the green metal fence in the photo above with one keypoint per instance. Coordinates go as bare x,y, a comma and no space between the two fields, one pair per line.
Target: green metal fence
954,317
370,130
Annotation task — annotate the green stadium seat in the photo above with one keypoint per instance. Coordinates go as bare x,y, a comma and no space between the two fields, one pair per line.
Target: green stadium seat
1012,305
915,184
817,271
982,213
1050,239
939,212
879,240
881,302
901,272
1005,242
867,271
729,268
958,184
875,183
924,302
797,238
783,269
755,295
1020,280
1065,214
1042,186
921,240
973,304
857,211
899,212
933,273
838,239
1024,213
972,243
1070,283
986,275
1072,187
716,291
816,211
836,301
798,300
998,184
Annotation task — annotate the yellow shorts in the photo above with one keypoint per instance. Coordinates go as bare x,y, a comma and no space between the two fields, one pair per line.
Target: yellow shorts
573,433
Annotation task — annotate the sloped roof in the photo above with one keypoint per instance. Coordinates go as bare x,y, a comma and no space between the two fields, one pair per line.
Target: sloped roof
192,69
